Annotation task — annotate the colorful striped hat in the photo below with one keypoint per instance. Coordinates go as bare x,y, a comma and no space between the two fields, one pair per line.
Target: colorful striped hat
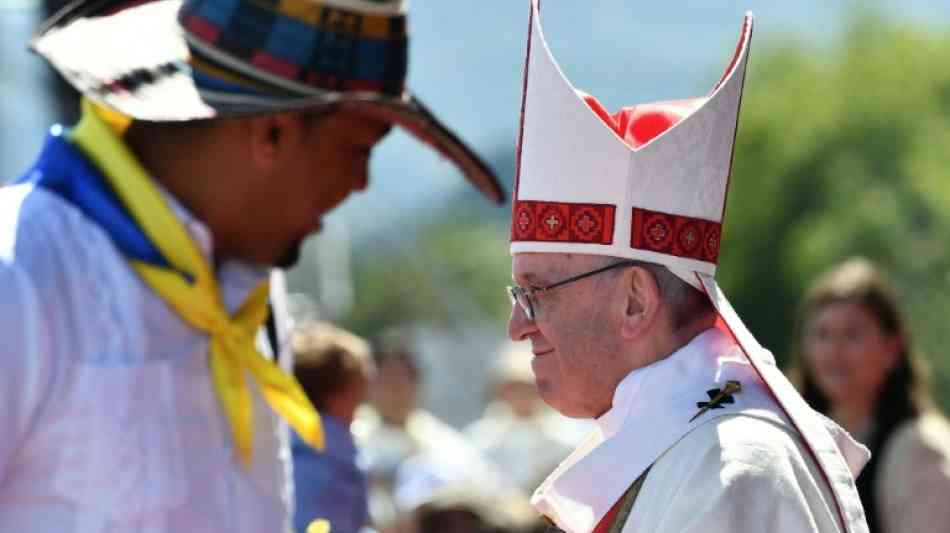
178,60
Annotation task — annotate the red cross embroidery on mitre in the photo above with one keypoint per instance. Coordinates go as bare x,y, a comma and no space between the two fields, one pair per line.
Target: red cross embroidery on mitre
563,222
692,238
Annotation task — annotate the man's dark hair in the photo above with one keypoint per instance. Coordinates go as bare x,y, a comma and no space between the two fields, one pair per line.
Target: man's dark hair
191,130
178,131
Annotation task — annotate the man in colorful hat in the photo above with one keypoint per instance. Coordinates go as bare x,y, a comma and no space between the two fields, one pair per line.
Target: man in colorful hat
615,235
139,388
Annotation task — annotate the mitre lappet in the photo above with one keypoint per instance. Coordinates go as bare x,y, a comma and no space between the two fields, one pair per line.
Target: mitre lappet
649,183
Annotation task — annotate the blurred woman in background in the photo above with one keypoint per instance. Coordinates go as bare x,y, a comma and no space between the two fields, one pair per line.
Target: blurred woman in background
857,365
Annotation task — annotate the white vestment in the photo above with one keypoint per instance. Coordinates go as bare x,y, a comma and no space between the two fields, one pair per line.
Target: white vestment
738,468
110,420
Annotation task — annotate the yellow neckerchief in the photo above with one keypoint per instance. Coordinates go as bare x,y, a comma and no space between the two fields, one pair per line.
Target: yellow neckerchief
198,303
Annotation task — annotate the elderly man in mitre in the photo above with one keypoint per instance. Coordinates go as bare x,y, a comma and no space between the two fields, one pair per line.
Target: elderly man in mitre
615,235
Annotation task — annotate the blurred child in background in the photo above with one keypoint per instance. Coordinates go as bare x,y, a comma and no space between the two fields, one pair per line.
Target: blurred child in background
519,433
334,366
409,453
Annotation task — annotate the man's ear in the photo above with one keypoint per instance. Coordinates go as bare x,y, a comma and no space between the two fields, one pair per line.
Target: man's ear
641,302
272,137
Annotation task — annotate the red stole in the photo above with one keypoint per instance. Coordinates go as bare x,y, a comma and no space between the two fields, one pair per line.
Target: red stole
604,525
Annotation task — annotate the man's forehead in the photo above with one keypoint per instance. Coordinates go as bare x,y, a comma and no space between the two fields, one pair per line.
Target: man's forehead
540,266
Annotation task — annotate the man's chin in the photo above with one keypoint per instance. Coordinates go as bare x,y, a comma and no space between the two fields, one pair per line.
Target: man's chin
290,257
548,396
560,404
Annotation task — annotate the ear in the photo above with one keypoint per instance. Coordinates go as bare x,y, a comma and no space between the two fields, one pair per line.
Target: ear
640,301
272,138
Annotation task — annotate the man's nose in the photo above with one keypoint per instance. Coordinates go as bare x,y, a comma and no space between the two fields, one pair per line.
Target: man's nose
519,325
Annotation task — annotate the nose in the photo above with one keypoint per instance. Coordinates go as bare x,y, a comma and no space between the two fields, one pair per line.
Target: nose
519,327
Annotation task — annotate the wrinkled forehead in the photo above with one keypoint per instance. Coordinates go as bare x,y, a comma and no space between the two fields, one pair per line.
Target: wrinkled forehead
541,268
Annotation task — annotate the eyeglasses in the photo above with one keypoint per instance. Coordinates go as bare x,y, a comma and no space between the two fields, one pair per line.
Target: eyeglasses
524,296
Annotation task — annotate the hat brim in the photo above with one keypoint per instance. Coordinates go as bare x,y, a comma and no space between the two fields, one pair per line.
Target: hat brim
136,61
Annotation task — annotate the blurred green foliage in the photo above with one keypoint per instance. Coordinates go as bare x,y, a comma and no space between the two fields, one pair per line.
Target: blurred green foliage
842,150
454,272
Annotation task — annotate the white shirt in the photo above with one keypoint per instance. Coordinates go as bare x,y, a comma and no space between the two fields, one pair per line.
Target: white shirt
736,469
110,421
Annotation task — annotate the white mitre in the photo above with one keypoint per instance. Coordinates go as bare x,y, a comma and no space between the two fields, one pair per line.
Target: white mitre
649,183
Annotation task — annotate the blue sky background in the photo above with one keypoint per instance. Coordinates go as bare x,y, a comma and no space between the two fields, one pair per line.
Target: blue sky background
467,60
466,63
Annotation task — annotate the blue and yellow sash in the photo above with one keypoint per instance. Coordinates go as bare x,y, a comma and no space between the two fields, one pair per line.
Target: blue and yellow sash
94,170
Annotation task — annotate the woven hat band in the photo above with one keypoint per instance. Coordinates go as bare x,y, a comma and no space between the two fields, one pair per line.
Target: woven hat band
294,47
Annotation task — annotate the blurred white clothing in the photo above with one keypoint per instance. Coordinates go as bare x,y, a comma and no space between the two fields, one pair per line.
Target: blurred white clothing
410,464
110,420
525,448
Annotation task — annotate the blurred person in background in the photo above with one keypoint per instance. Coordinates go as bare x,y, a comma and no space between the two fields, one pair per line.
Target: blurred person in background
857,364
615,240
139,386
334,368
408,452
382,426
471,508
519,433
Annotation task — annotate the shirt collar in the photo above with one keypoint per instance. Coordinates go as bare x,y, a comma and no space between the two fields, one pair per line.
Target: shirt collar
198,230
627,394
236,279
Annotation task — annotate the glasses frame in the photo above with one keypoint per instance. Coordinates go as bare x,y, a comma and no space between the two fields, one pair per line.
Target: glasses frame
524,296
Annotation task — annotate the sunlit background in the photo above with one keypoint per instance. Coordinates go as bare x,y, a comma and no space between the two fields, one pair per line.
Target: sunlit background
843,149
